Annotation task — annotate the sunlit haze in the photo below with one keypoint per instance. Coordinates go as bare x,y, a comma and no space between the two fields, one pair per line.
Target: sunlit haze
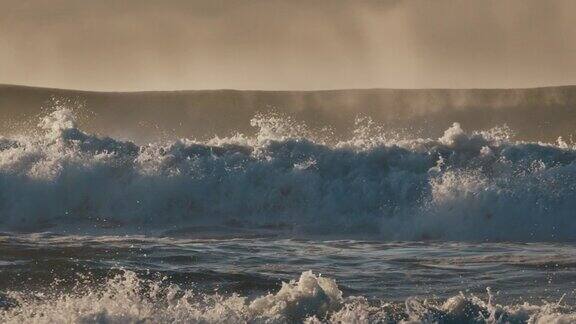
272,44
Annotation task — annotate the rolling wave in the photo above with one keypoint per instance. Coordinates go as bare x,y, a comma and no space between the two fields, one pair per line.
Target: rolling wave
287,179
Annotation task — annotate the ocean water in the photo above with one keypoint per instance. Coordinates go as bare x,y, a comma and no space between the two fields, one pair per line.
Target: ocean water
289,225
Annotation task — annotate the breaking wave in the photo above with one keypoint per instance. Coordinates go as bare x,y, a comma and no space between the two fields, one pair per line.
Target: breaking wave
125,298
289,179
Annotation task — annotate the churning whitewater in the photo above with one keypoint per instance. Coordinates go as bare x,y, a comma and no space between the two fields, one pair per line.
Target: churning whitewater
290,180
311,299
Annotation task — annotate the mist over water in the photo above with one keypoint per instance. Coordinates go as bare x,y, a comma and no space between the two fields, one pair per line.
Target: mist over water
541,114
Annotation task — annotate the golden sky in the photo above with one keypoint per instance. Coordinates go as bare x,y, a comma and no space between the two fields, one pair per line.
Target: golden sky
292,44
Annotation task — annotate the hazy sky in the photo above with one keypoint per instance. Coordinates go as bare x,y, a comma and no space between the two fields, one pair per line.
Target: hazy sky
290,44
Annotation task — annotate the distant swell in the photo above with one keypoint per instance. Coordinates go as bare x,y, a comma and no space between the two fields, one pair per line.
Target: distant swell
462,186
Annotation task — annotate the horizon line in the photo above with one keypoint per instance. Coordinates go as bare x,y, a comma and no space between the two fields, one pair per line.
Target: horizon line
278,90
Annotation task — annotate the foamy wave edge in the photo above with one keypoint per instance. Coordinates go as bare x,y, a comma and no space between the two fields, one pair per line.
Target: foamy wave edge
125,298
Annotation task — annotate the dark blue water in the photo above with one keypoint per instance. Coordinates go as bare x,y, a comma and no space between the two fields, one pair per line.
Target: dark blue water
381,272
